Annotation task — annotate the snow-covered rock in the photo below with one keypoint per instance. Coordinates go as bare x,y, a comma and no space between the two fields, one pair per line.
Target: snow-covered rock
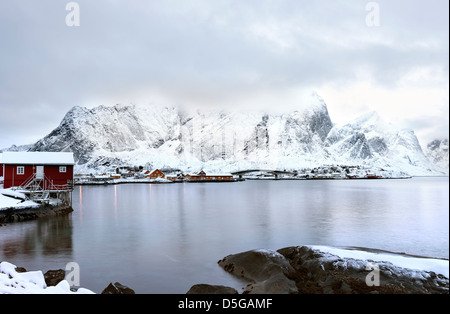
324,269
31,282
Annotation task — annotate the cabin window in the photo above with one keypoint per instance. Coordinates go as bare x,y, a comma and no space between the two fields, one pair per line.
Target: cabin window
62,169
20,170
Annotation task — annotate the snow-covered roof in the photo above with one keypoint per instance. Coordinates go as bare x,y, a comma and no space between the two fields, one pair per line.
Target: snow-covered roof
38,158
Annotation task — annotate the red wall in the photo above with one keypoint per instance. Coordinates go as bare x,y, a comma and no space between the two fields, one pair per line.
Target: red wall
11,178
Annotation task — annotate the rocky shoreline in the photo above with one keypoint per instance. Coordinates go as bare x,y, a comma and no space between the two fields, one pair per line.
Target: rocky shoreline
53,278
304,270
12,215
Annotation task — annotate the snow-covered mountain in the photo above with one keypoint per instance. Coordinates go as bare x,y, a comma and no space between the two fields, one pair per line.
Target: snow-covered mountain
437,152
219,140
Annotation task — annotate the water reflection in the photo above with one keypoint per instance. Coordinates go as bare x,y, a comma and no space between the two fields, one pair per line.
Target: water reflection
163,238
115,203
260,201
182,231
49,237
80,202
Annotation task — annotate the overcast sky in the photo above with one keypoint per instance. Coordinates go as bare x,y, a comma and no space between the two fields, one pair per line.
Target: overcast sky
390,56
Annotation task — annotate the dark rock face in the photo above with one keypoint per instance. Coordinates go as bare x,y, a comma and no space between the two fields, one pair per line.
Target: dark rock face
321,124
211,289
117,288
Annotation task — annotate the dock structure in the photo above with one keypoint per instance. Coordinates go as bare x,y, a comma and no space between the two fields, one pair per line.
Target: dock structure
275,173
41,189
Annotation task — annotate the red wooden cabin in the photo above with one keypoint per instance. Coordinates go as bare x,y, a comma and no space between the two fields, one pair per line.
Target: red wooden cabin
54,170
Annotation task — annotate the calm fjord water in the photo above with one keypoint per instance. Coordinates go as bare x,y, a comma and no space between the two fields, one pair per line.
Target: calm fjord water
164,238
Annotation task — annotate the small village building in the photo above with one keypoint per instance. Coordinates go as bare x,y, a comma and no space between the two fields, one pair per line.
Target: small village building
201,176
53,170
155,174
176,178
115,176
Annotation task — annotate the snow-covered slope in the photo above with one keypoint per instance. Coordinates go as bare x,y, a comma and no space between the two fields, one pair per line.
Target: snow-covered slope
437,152
219,140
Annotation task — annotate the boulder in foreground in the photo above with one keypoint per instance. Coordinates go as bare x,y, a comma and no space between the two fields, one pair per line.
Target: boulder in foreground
211,289
117,288
268,271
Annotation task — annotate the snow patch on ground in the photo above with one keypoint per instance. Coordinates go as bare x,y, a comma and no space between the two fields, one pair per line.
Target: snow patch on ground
11,199
438,266
31,282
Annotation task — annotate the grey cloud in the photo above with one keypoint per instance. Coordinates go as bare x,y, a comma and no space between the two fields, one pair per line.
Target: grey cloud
216,48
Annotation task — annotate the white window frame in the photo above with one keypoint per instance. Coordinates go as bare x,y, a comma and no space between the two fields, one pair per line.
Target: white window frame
62,169
20,170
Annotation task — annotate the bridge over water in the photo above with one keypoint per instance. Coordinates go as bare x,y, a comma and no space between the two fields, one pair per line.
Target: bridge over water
240,173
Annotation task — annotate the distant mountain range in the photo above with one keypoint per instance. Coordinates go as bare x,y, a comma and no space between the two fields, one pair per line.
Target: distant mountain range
218,140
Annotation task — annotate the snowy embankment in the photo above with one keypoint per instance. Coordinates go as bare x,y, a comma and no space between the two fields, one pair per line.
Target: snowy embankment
31,282
12,199
16,207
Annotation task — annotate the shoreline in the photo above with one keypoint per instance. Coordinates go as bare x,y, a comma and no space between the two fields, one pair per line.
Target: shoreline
13,215
137,181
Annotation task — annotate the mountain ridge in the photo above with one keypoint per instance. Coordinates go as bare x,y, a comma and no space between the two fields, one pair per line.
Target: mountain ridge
229,140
